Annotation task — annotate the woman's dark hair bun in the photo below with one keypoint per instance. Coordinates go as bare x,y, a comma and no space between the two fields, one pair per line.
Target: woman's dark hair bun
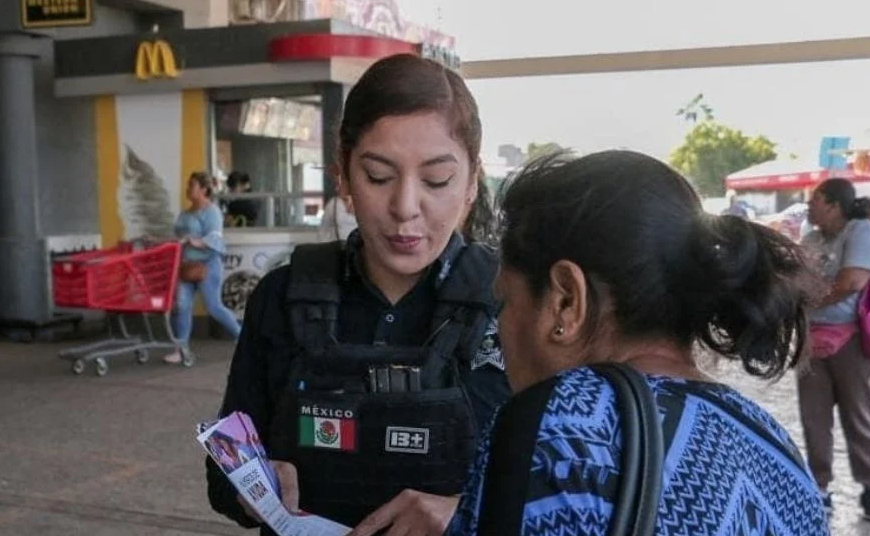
664,267
744,293
726,248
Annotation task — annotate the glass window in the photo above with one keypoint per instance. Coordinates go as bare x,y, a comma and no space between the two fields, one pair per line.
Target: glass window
268,160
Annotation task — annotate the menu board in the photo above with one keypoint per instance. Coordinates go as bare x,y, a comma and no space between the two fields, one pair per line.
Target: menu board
274,118
51,13
299,120
254,115
278,118
289,120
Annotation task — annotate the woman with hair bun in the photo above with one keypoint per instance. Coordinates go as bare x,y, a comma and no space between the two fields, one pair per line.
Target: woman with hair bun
608,262
839,250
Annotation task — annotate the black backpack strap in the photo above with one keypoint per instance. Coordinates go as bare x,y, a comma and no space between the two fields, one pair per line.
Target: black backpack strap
512,444
465,302
314,293
643,451
515,436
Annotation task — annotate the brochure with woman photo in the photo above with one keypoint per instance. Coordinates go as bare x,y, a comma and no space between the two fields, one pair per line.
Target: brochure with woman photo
235,447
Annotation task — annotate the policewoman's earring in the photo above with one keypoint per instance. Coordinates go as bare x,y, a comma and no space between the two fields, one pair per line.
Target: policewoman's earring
559,331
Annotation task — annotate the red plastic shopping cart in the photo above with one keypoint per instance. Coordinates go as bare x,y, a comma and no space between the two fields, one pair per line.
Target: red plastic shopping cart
131,278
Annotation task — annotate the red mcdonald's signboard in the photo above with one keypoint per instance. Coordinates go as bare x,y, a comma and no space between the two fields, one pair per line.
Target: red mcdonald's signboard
318,47
321,47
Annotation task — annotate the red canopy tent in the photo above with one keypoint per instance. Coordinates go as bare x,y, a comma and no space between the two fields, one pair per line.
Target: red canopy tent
786,175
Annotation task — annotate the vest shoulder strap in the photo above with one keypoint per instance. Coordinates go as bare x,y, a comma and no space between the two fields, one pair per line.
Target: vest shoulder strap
314,292
466,302
469,282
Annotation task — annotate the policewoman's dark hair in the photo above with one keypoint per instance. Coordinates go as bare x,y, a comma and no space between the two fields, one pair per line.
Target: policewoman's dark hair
638,230
842,192
203,180
405,84
481,225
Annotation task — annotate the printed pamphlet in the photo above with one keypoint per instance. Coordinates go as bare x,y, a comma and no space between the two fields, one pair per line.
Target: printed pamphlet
235,447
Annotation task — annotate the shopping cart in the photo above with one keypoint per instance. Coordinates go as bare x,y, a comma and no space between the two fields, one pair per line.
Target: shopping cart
135,277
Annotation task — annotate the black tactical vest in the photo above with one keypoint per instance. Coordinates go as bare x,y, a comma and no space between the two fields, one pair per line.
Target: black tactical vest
361,423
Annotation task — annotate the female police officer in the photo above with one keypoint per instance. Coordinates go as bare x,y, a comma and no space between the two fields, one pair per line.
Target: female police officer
369,367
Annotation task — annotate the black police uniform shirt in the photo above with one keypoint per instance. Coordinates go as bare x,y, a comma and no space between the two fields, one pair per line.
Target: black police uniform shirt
260,367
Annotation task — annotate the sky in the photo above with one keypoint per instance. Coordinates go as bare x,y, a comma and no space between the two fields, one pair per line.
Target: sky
794,105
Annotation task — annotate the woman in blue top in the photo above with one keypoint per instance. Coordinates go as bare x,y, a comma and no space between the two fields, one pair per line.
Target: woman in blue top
200,229
611,258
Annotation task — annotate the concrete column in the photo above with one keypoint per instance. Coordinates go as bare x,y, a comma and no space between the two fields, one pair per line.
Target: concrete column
24,294
332,104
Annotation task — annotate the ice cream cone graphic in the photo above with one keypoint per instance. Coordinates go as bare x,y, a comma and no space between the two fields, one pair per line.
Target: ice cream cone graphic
143,201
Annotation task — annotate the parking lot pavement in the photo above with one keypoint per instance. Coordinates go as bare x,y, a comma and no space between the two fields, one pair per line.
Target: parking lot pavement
780,399
89,456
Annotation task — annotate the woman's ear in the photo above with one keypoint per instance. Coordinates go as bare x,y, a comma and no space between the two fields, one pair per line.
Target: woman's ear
342,185
473,190
477,175
348,204
567,301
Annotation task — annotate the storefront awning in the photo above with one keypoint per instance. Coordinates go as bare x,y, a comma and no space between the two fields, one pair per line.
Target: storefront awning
786,175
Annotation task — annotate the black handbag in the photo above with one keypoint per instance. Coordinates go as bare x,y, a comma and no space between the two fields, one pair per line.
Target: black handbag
513,443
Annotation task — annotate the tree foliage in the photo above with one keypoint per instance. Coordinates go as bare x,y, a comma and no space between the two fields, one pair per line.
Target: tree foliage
711,150
696,107
536,150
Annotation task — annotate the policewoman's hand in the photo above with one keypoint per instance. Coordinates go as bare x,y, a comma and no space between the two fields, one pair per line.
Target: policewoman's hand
411,513
286,473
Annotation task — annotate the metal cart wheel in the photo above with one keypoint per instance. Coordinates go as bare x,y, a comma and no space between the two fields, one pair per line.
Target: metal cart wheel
78,366
141,356
188,358
101,367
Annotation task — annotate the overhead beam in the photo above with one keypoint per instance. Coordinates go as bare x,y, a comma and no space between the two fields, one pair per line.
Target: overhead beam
687,58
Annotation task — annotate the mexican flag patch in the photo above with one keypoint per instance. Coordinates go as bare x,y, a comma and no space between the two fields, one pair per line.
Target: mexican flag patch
327,433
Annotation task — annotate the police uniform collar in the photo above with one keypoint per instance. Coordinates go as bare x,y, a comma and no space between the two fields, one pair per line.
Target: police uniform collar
442,265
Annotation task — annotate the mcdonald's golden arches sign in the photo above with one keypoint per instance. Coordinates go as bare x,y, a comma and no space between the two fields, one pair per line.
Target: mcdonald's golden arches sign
155,59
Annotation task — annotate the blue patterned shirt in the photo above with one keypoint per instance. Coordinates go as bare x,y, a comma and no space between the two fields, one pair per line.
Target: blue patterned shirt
730,469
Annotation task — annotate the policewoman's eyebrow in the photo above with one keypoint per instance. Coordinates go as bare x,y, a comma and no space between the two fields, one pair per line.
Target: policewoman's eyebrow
440,159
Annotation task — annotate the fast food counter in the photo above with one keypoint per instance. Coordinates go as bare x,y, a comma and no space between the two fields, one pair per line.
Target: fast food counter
251,253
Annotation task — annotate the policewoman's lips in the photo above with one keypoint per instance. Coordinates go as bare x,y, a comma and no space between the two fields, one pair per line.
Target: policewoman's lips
404,244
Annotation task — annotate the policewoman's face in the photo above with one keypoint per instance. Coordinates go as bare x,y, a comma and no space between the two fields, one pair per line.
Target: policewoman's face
410,183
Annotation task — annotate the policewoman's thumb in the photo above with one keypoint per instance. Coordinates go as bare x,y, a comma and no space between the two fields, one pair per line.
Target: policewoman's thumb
286,472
